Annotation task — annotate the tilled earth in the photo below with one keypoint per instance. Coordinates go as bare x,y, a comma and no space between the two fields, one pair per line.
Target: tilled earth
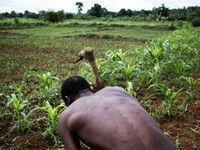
180,129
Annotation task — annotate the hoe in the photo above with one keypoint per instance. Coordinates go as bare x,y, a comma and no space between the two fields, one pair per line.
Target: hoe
88,54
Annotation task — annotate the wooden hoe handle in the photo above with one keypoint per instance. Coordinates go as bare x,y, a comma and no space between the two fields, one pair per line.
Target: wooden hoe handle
88,54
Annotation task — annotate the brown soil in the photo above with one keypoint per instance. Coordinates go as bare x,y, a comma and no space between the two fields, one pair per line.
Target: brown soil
113,37
182,128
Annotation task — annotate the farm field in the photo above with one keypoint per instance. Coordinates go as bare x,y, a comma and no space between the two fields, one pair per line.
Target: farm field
159,66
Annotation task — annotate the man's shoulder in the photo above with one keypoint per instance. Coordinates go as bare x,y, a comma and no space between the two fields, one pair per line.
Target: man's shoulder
113,88
111,91
72,116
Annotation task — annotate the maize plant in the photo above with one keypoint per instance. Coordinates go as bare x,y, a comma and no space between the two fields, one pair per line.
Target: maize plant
20,113
170,100
48,86
52,114
191,83
129,88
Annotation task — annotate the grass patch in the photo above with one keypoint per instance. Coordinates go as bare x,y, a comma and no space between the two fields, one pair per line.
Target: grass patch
53,31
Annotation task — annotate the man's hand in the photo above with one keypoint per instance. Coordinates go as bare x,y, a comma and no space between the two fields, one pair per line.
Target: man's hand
97,86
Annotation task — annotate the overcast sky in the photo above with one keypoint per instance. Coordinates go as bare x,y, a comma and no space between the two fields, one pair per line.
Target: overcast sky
110,5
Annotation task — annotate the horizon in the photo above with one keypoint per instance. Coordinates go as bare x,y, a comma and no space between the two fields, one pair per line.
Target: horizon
19,6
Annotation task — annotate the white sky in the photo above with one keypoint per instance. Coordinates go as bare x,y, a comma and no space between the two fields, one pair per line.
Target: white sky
110,5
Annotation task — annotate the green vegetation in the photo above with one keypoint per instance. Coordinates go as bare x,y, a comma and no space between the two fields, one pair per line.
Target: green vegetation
51,118
161,13
21,113
196,22
157,65
161,65
54,17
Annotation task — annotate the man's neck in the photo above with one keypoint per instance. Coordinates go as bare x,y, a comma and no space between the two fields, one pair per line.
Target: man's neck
83,93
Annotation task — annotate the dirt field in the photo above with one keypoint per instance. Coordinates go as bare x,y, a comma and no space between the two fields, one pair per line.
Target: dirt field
178,129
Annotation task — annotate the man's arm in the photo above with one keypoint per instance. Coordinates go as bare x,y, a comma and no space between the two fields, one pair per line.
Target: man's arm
70,141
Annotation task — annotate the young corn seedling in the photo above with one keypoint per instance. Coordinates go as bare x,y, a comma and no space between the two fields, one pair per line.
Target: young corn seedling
18,90
191,83
129,88
116,55
177,142
170,100
156,52
159,87
20,114
46,79
180,67
49,87
128,71
156,74
51,119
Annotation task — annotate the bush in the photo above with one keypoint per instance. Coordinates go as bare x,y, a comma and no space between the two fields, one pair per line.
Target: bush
16,21
69,16
54,17
196,22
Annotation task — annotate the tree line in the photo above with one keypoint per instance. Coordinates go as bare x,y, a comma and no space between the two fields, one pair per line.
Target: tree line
97,11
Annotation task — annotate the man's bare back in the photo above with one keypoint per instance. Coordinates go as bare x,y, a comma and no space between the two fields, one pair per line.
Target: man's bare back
110,119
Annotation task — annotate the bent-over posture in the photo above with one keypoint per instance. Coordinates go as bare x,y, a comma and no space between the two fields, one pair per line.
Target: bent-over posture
110,119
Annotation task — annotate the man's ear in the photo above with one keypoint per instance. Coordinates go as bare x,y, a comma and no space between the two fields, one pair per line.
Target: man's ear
92,87
67,100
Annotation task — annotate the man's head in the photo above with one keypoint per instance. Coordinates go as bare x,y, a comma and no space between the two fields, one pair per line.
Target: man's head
71,88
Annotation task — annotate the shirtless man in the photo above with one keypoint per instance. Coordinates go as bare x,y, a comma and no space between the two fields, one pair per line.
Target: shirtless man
109,119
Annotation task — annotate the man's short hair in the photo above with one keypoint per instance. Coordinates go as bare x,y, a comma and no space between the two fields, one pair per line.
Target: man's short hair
73,85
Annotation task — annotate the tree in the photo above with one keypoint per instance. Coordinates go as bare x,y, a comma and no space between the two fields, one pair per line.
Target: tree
97,11
161,13
60,15
122,12
6,15
41,13
13,14
129,13
191,13
20,15
33,15
26,13
196,22
80,5
69,15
